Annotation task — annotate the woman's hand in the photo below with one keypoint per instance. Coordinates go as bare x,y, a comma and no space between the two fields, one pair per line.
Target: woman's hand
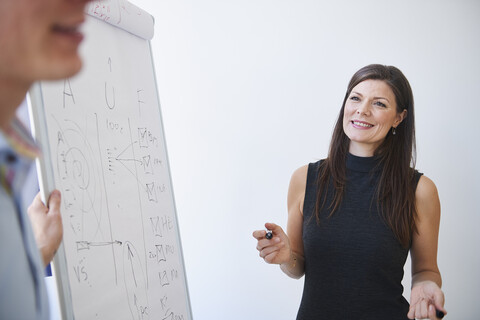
276,250
425,299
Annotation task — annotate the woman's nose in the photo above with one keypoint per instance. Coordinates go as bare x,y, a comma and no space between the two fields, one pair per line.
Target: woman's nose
363,108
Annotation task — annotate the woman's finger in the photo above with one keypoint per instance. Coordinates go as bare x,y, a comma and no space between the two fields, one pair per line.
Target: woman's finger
276,229
418,310
432,312
259,234
439,301
426,310
421,311
265,252
267,242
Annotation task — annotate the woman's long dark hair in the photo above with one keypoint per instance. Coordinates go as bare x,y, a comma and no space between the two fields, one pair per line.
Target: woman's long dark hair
395,190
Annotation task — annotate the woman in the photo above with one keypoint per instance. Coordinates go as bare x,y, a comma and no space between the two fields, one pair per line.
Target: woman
353,217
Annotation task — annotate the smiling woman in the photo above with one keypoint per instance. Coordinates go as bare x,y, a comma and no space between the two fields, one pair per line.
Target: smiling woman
354,216
39,40
370,112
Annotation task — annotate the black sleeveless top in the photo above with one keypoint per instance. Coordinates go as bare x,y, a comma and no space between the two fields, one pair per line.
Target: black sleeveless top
353,262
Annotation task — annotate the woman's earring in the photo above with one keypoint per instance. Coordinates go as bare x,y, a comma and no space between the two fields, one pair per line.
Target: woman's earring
394,131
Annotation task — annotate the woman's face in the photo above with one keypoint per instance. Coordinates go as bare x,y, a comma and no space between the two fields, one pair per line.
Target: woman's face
39,39
370,113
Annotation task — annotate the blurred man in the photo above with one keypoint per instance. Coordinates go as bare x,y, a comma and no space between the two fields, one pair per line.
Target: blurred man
39,40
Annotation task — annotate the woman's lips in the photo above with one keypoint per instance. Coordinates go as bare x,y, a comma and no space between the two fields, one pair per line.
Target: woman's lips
361,124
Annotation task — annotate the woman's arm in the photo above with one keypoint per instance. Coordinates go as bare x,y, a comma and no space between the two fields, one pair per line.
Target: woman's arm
426,294
295,267
287,251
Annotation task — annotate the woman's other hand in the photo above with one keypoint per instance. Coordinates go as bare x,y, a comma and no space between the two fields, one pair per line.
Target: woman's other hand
425,299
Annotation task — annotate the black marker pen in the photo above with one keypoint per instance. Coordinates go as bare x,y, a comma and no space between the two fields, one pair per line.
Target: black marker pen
440,314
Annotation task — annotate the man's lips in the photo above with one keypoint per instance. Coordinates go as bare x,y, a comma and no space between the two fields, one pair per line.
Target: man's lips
69,30
68,27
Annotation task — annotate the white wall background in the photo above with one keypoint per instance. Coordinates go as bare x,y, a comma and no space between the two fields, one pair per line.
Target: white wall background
250,91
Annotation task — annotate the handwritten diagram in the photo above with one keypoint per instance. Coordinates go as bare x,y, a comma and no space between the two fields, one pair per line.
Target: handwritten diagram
106,142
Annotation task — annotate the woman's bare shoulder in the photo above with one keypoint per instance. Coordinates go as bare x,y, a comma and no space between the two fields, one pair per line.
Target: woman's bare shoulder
426,189
427,199
296,190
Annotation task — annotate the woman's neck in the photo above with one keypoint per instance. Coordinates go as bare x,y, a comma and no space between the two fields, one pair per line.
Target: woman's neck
361,150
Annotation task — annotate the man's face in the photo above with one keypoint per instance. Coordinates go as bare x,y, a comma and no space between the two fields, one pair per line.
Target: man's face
39,39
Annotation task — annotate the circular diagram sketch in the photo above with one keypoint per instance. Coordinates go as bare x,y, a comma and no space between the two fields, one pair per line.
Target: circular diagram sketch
79,180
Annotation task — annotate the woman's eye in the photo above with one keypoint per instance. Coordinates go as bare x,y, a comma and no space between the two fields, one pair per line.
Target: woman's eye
380,104
354,98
